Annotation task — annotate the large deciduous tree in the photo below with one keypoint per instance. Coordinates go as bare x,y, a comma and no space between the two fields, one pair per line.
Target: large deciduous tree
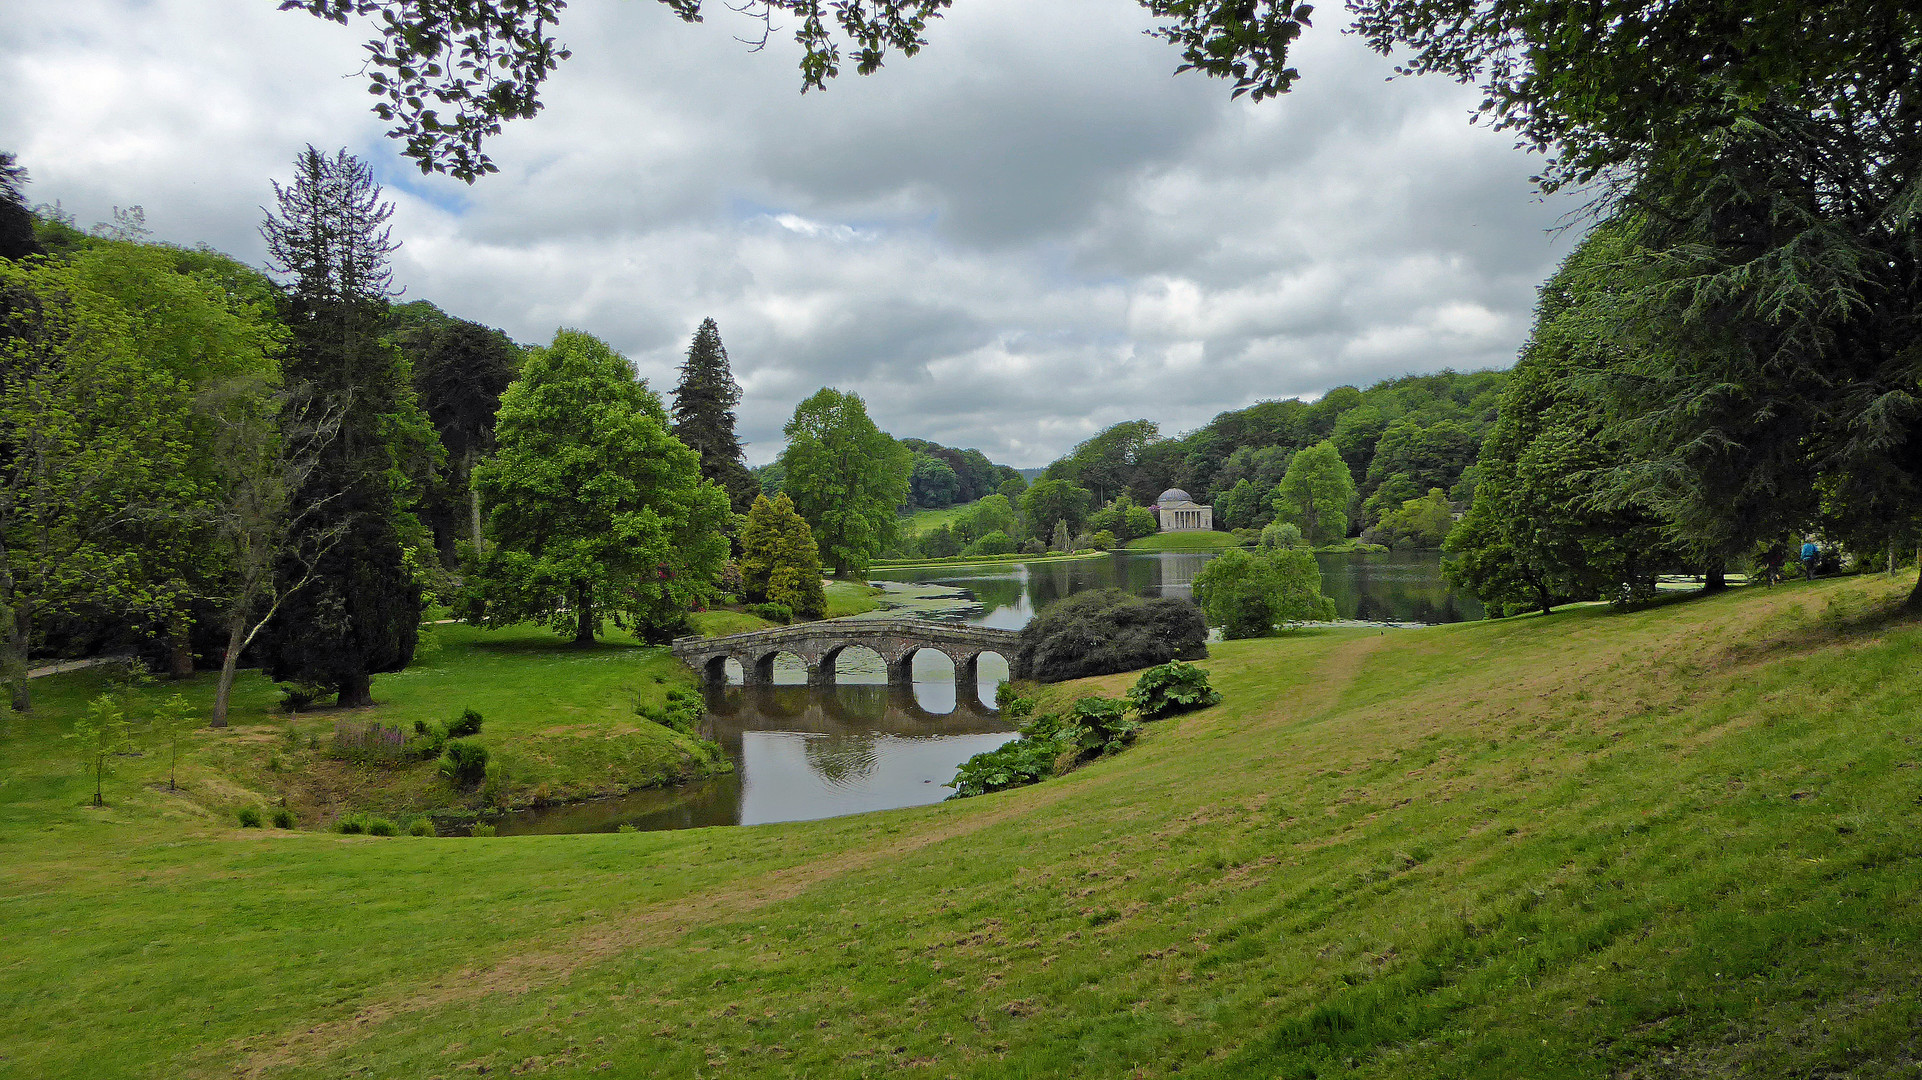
16,221
1248,594
704,416
594,510
360,613
1315,493
1055,504
847,477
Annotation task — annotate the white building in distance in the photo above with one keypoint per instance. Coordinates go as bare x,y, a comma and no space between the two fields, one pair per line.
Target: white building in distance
1178,512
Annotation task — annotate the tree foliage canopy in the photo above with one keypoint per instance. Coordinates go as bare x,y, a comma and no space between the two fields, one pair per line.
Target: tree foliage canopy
594,510
846,477
704,416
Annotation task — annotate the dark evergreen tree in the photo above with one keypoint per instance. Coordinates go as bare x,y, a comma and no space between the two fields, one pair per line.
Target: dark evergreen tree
704,416
460,369
16,221
361,614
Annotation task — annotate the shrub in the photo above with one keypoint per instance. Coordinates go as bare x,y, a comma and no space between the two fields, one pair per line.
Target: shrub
1171,689
421,826
249,817
682,711
995,543
482,830
775,613
1104,631
1017,763
468,724
1100,726
1247,594
1102,540
352,825
1012,705
464,763
380,826
284,818
297,696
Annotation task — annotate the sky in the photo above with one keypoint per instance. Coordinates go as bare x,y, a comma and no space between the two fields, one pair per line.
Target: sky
1032,230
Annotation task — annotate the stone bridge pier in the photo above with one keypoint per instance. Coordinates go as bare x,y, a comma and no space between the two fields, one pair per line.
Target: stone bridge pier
820,644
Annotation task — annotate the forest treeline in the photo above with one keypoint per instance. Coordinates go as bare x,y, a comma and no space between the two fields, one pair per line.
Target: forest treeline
209,464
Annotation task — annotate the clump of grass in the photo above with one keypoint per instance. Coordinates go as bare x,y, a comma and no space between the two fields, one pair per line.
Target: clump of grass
421,826
249,817
284,818
482,830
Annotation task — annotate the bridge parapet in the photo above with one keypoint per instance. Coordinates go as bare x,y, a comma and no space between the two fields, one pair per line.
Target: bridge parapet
818,644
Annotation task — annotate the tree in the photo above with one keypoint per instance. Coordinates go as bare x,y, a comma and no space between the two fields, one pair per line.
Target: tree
1425,522
932,483
779,559
99,736
460,369
704,416
1315,493
96,439
846,476
1248,594
1052,505
16,221
1108,463
994,513
1061,541
360,614
173,721
594,510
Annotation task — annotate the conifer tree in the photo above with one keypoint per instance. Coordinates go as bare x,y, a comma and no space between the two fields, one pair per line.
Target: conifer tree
704,416
779,559
360,613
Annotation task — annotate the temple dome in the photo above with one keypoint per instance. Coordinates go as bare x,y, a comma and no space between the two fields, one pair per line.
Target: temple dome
1174,495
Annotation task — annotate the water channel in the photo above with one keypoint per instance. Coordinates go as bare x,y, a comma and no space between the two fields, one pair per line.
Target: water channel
802,753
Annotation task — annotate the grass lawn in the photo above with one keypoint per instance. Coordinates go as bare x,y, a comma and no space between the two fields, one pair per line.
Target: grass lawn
1185,541
1685,841
561,720
922,522
851,598
984,560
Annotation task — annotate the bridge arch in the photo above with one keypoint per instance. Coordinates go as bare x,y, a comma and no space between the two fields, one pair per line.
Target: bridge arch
819,645
830,671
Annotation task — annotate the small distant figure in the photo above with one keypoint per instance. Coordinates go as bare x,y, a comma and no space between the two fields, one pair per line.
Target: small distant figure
1772,563
1810,552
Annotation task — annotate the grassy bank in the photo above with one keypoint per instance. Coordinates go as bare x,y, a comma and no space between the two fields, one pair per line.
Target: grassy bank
983,560
561,721
1677,842
922,522
1185,541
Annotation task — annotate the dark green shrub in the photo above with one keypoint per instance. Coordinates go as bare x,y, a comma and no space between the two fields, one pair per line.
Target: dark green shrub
1012,705
249,817
297,696
464,763
380,826
284,818
1023,761
421,826
1100,726
777,613
1171,689
352,824
468,724
1104,631
482,830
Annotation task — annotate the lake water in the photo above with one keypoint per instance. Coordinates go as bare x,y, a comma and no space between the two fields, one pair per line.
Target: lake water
802,753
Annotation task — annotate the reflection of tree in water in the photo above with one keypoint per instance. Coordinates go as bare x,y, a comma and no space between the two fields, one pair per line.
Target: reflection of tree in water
840,759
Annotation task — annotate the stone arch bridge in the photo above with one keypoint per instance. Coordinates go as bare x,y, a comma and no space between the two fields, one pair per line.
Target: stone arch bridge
819,644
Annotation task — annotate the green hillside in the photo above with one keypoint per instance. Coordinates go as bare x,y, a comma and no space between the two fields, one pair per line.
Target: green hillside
1679,842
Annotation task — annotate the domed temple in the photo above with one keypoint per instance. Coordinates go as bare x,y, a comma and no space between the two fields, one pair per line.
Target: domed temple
1178,512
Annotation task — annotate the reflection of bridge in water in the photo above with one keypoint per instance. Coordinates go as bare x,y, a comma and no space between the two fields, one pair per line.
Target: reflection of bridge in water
848,710
819,644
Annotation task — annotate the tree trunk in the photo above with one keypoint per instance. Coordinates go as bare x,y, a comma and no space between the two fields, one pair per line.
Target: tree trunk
1715,577
1913,605
473,504
180,651
17,639
584,620
356,690
236,631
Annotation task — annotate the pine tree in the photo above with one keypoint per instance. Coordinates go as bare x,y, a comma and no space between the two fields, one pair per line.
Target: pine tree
16,221
360,613
704,416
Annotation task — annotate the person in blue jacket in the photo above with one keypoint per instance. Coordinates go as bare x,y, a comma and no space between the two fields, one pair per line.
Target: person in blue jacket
1810,552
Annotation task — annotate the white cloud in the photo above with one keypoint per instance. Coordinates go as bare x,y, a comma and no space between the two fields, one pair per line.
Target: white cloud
1027,232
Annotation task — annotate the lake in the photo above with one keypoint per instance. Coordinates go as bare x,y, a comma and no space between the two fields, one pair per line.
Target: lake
802,753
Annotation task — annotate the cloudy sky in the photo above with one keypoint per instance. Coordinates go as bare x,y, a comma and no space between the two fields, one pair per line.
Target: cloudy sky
1030,231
